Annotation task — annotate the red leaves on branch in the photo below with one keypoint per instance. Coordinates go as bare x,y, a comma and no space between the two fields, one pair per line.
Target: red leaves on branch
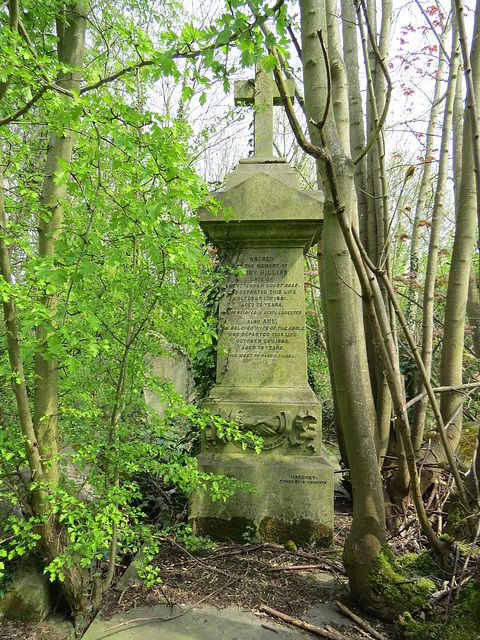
441,279
409,280
423,160
402,236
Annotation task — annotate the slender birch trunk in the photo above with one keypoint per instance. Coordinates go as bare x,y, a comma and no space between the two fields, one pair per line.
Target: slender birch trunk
457,292
432,259
420,208
342,303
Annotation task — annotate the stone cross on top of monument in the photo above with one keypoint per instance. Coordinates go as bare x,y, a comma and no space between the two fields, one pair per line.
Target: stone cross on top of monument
264,95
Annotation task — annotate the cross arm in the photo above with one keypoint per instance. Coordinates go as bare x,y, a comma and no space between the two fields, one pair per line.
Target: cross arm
245,92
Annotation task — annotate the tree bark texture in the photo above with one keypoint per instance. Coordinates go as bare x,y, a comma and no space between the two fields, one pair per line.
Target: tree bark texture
457,292
434,244
71,42
345,332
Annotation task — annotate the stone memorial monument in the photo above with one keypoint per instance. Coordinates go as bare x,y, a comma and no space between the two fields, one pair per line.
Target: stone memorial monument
261,383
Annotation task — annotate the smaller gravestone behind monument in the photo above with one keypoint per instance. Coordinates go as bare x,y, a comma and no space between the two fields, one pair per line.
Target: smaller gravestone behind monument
173,367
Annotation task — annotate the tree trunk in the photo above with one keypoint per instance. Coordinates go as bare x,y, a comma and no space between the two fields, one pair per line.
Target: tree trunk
432,259
457,292
41,433
473,310
16,363
342,303
420,209
71,41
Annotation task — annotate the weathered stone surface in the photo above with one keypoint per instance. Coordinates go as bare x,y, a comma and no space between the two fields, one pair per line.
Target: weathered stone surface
263,94
265,211
262,358
293,500
273,167
76,472
31,596
174,367
261,378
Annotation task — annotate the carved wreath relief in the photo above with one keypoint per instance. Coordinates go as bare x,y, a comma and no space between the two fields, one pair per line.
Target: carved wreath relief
277,430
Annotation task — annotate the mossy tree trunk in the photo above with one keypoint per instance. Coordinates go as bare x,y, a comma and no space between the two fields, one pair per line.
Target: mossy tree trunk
342,303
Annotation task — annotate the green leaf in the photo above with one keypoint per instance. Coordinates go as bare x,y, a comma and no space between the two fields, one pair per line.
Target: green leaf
192,254
64,165
269,63
224,36
187,93
59,276
60,178
248,59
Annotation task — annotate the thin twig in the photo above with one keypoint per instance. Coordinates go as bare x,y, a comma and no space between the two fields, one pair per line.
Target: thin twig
452,582
383,66
160,619
460,387
300,567
201,562
321,124
236,552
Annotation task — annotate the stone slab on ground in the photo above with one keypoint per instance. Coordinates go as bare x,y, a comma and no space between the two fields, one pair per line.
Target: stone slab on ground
205,623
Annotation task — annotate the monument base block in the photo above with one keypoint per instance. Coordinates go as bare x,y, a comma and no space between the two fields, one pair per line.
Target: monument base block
292,500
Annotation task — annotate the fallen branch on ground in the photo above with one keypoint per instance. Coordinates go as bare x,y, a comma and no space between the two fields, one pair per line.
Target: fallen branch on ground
330,634
361,623
201,562
235,552
299,567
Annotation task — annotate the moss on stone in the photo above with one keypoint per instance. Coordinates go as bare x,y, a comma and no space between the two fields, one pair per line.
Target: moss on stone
301,533
411,629
31,594
223,530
